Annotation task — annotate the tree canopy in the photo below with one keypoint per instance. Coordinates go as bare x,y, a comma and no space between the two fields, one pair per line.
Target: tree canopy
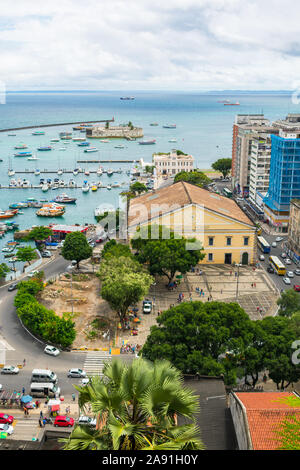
76,247
289,303
166,256
26,254
4,269
195,177
223,165
114,249
137,406
40,233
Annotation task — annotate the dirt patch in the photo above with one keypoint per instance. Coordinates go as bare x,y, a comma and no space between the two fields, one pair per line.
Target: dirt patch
95,322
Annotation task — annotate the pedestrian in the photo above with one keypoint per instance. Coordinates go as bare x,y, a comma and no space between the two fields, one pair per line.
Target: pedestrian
41,423
252,284
41,414
73,396
257,308
23,391
24,362
25,411
255,284
208,299
221,291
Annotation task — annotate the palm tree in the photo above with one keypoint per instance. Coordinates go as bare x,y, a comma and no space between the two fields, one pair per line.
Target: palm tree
137,407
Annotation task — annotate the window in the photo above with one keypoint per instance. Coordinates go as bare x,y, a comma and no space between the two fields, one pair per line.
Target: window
210,257
228,241
246,241
210,241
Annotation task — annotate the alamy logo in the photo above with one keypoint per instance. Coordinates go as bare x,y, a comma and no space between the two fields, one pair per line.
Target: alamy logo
296,354
2,92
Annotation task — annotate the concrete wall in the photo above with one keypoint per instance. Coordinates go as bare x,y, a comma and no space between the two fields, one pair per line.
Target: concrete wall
239,418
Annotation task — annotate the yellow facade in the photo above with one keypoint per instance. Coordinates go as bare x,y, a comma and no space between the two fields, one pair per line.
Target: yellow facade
225,240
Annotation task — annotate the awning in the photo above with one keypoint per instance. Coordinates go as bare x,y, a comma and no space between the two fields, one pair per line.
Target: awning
55,408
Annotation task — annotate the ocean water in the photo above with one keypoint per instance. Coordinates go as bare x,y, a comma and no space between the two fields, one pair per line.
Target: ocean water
204,129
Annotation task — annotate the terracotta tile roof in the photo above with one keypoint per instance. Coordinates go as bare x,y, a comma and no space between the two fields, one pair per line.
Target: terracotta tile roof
265,412
182,194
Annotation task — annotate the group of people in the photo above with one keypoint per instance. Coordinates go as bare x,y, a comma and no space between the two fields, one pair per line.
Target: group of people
128,348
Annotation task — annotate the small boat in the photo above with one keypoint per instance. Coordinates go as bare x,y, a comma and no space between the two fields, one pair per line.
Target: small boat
23,154
65,142
108,187
11,173
51,210
99,172
62,149
232,104
100,185
72,183
54,140
79,139
37,172
65,134
147,142
87,172
59,172
11,135
94,187
65,199
119,146
115,185
75,171
91,149
38,133
105,141
21,146
110,172
169,126
7,214
44,149
34,157
62,184
85,187
26,184
126,98
83,144
45,187
154,124
172,140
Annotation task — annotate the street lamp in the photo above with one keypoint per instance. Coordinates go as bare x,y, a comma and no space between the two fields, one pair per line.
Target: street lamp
70,269
237,281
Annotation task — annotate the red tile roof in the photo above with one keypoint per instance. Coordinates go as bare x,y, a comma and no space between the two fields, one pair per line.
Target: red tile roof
265,413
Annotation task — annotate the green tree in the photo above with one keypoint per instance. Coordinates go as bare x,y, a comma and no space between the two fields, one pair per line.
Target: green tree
195,177
166,255
26,254
76,247
289,303
114,249
138,188
137,406
39,234
4,269
124,283
223,165
111,219
33,286
196,337
149,169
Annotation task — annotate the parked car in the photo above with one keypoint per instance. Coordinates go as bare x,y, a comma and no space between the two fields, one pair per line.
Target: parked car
76,373
6,419
33,273
290,274
270,270
147,306
6,428
288,261
10,370
297,287
261,257
297,272
51,350
92,244
63,421
102,238
87,420
283,255
278,239
286,280
12,287
274,244
46,254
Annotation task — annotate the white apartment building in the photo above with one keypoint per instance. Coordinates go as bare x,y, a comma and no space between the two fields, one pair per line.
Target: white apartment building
260,158
172,163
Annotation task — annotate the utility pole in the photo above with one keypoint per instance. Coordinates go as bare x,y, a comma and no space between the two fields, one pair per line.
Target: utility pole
237,281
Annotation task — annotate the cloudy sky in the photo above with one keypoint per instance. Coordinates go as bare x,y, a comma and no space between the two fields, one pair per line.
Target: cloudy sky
150,44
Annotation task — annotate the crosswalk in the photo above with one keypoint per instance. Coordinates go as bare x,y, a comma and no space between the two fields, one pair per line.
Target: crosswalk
94,362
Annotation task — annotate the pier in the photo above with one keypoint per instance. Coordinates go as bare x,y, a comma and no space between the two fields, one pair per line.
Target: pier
56,124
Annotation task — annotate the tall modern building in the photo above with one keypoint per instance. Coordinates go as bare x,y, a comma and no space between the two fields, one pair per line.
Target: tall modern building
246,128
259,172
284,182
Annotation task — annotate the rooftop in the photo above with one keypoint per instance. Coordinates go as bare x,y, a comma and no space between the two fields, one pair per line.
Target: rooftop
265,413
68,228
179,195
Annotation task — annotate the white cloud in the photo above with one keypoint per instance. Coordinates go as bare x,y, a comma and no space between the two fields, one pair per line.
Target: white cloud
149,44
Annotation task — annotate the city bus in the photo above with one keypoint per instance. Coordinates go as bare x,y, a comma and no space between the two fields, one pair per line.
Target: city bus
278,266
227,192
263,245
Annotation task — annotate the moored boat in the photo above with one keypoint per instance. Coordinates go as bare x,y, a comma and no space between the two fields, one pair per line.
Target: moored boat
64,199
44,149
38,133
23,154
147,142
91,149
51,210
169,126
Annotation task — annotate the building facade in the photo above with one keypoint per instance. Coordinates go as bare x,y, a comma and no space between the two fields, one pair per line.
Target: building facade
227,235
259,171
284,172
172,163
294,229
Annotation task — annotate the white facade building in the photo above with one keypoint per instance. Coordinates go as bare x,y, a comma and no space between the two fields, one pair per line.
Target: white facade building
260,158
172,163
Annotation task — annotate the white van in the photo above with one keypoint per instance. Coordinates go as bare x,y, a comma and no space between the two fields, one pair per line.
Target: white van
43,390
43,375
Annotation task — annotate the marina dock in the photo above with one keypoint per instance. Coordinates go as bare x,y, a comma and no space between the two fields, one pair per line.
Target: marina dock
53,125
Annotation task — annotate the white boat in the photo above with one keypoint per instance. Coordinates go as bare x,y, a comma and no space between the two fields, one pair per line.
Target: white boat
108,187
91,149
173,140
34,157
100,185
59,172
11,173
37,172
119,146
115,185
85,187
110,172
87,172
13,182
62,149
26,184
45,187
72,183
75,172
99,172
105,141
62,184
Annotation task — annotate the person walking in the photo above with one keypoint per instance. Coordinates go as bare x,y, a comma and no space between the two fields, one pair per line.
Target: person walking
24,362
23,391
73,396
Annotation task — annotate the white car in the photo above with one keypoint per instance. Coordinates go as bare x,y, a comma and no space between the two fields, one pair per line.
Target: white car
33,273
76,373
85,381
290,274
278,239
10,370
283,255
6,428
274,244
286,280
288,261
1,387
51,350
87,420
261,257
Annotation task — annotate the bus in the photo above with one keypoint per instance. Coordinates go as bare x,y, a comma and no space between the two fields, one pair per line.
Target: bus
278,266
227,192
263,245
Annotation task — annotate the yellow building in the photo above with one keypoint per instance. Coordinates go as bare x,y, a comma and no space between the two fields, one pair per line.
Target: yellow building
226,233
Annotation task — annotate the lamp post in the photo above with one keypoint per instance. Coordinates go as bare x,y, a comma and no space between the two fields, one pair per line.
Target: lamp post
237,281
70,269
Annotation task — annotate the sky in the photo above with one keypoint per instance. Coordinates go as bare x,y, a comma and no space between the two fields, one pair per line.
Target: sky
150,45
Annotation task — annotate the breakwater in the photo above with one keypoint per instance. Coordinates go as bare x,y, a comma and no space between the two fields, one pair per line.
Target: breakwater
54,124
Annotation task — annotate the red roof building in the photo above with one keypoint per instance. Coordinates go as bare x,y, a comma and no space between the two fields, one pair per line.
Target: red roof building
257,417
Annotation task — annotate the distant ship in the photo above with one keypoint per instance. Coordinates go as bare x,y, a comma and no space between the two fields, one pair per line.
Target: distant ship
127,98
169,126
223,101
147,142
232,104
